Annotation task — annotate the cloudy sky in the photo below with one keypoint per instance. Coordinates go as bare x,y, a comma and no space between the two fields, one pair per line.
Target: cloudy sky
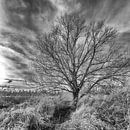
28,17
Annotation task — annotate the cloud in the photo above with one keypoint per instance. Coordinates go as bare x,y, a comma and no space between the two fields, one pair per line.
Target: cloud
37,15
125,40
115,12
28,13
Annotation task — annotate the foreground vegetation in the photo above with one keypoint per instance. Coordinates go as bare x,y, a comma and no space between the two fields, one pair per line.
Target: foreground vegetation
45,112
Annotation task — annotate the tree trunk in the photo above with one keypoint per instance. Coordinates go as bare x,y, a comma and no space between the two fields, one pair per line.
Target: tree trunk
75,100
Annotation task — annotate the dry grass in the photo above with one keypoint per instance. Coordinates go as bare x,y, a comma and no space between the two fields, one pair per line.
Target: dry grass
46,113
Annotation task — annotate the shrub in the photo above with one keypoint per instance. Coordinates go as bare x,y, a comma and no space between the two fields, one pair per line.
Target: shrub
28,119
114,111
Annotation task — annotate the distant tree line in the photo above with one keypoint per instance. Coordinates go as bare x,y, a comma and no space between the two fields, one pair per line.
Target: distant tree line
26,93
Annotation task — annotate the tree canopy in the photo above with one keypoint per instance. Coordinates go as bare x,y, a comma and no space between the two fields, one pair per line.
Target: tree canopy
77,55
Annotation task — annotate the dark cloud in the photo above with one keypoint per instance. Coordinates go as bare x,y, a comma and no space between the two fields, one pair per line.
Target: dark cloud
27,13
34,14
115,12
103,8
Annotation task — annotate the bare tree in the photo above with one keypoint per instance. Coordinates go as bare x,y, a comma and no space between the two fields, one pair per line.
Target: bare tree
77,56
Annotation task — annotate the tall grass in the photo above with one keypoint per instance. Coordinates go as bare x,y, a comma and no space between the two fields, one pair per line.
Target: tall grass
55,113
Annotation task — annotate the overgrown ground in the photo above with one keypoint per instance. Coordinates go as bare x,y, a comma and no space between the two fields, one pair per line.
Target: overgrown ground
53,112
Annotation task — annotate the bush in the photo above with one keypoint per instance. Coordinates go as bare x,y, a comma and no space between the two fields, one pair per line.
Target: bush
28,119
114,111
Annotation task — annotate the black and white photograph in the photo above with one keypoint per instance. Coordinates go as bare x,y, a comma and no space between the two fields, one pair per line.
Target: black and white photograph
64,64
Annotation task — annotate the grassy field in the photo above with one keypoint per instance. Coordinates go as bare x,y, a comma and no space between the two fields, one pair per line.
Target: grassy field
53,112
